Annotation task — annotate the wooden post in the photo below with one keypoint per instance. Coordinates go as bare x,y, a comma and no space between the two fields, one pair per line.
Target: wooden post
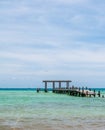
67,84
53,86
102,96
82,91
45,86
72,87
38,89
99,93
79,91
59,84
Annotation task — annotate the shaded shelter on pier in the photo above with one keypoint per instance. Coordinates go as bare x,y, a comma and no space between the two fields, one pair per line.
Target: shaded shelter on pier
53,82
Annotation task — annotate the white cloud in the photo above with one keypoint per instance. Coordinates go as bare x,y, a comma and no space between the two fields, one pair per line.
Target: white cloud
58,56
52,39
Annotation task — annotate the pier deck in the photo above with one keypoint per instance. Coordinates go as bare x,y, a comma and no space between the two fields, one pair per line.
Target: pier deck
73,91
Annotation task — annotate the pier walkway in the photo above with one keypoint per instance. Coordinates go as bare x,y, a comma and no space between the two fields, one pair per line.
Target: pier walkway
76,92
73,91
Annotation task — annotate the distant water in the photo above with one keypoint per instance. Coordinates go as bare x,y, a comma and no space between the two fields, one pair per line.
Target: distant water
28,110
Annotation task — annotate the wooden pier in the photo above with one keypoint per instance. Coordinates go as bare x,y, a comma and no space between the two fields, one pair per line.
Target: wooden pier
76,92
73,91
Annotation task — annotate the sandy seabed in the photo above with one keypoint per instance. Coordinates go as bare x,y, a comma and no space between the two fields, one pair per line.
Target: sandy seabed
40,126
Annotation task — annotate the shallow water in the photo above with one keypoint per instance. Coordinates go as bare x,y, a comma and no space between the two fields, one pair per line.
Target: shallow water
28,110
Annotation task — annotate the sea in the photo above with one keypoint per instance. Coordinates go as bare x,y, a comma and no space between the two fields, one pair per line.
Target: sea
25,109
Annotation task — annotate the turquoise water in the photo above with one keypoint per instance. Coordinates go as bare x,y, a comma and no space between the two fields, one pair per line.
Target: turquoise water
28,110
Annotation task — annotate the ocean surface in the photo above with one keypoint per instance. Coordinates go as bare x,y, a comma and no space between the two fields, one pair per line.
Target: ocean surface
29,110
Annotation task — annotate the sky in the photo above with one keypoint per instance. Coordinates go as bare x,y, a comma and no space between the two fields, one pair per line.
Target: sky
52,40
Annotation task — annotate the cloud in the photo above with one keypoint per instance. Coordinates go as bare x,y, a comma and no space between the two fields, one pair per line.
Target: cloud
52,39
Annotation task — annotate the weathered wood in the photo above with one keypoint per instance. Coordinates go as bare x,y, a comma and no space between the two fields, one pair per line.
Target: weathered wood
76,92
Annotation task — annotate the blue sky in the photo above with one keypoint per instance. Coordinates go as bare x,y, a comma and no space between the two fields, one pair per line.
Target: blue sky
52,39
